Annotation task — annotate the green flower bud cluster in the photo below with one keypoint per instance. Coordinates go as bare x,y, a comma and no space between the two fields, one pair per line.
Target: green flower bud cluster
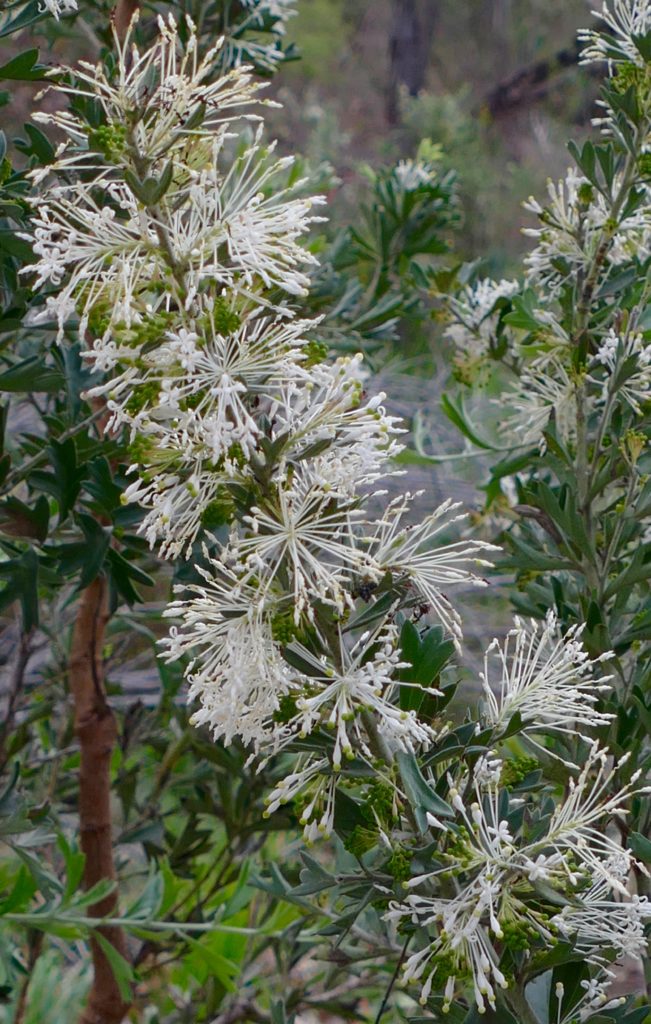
361,840
219,511
5,170
224,320
286,709
630,75
109,140
283,628
379,803
516,770
142,396
399,864
517,935
458,847
316,352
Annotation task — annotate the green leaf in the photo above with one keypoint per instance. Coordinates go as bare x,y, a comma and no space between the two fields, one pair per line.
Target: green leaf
26,16
20,896
122,970
74,861
24,67
12,245
457,415
97,544
148,903
30,374
524,312
427,656
641,847
278,1013
420,794
21,577
19,520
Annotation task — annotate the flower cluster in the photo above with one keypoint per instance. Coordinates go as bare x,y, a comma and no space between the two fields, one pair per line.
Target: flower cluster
504,876
176,237
474,319
237,420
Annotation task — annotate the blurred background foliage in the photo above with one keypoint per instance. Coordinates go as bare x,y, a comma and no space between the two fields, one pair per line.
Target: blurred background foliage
374,79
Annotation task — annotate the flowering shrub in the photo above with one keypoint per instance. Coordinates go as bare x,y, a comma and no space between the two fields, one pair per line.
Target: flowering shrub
486,863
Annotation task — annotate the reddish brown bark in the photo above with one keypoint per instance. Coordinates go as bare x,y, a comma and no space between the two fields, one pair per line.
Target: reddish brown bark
123,16
96,731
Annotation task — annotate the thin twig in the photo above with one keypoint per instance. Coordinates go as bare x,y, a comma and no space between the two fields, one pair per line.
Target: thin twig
394,978
16,687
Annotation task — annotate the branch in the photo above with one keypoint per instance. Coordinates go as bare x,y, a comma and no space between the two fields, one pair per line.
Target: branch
531,83
123,16
96,731
15,690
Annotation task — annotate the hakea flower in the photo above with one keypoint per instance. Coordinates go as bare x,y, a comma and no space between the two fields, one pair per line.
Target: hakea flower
166,93
573,227
58,7
545,677
236,670
357,684
204,224
600,924
474,322
220,228
494,869
236,229
312,778
628,364
343,441
300,532
574,826
595,999
179,502
410,554
627,21
199,389
545,388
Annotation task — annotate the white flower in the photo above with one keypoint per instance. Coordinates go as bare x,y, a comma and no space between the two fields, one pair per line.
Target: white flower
413,174
600,923
203,383
159,92
358,684
545,677
412,554
573,228
626,19
304,534
577,822
176,504
463,941
239,230
544,388
343,441
312,777
58,7
236,669
628,362
474,319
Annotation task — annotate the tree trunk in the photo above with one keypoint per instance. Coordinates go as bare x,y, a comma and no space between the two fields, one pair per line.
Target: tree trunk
412,25
96,731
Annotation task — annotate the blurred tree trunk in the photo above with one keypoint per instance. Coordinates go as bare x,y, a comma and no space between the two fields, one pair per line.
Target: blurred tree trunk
410,38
